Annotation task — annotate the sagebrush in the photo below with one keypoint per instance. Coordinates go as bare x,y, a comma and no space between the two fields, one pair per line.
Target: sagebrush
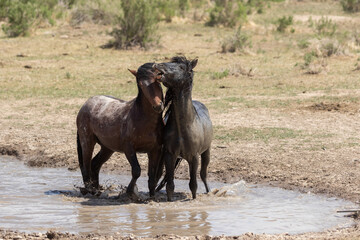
227,13
283,23
23,15
136,26
239,41
351,5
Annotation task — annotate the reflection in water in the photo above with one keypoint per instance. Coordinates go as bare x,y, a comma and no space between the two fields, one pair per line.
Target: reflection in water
30,201
142,220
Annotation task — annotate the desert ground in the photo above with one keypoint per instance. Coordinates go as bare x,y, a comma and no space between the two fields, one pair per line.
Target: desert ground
277,121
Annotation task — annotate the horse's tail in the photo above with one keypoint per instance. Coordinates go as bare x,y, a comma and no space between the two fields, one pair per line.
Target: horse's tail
79,150
163,182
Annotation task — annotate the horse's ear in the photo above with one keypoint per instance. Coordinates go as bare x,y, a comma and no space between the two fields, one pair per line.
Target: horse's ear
133,72
193,63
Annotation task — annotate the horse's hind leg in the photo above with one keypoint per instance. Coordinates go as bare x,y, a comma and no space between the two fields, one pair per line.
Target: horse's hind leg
205,160
193,166
103,155
86,146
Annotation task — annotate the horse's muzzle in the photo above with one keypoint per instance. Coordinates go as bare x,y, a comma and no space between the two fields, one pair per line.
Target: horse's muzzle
159,73
159,108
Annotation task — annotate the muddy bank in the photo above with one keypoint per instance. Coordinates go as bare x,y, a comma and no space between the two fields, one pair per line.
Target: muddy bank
341,234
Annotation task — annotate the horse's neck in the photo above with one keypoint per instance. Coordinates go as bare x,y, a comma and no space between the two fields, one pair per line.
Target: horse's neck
144,107
183,109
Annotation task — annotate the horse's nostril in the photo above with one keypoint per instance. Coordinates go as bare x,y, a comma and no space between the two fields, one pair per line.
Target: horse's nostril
159,108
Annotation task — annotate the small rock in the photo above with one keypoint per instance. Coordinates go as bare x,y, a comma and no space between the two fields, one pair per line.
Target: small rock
17,237
51,234
28,66
64,36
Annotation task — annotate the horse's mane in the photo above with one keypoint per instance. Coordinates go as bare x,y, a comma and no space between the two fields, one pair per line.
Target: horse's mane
170,92
144,71
181,59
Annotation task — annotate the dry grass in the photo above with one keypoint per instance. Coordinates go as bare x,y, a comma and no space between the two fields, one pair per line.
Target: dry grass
67,63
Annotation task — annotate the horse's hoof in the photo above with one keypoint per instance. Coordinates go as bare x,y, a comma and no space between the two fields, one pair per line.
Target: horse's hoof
84,191
92,191
134,197
151,199
97,193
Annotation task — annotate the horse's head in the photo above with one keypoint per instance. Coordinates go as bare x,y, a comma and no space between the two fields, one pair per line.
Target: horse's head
177,73
148,83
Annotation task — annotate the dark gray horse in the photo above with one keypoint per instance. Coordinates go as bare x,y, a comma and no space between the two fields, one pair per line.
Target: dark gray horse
120,126
188,131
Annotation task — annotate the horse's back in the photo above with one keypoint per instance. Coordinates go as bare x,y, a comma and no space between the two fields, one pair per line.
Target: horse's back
204,120
203,113
102,112
100,106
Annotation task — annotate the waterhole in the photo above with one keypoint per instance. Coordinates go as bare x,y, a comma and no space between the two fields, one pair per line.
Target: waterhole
39,199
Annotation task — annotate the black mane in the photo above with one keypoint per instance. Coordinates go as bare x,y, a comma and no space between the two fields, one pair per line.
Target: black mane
170,92
181,59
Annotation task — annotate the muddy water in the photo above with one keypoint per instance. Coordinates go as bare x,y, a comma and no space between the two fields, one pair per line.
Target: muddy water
36,200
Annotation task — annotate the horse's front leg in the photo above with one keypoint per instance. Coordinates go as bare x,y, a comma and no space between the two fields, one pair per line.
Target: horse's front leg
135,172
155,168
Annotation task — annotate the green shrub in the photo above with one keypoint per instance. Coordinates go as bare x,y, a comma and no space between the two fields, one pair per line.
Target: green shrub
23,15
69,3
95,11
228,13
356,35
351,5
303,43
184,5
4,5
325,27
308,58
283,23
329,47
320,49
220,75
167,9
136,26
258,5
238,41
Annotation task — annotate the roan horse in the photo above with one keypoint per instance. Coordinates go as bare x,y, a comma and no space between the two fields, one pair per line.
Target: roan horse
120,126
188,131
